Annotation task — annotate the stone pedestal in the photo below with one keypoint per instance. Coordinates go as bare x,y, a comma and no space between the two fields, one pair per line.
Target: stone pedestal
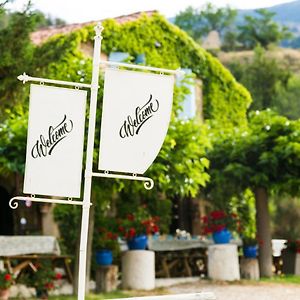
223,262
297,264
249,268
106,278
138,270
291,262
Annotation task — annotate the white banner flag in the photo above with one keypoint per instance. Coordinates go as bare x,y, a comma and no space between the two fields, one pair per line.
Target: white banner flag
135,118
55,141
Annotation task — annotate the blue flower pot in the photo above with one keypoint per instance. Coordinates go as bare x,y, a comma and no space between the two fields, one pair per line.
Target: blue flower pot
222,237
138,242
250,251
104,257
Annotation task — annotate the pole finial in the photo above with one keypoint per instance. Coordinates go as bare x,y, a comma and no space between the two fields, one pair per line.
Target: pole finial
24,77
98,29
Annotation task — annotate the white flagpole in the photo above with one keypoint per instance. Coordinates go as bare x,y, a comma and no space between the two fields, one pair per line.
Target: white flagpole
89,164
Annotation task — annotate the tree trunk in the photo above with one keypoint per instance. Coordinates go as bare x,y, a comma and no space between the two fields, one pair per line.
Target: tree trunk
263,232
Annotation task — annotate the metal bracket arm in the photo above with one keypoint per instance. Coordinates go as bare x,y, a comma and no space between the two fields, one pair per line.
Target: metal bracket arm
140,67
24,78
13,202
148,182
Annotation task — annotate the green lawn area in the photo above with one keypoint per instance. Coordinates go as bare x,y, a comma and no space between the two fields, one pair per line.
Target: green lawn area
112,295
283,279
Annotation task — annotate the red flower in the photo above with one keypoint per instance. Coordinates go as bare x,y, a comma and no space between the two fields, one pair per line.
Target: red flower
217,214
49,285
130,217
205,219
146,222
220,228
148,230
131,232
58,276
109,235
7,277
121,228
207,230
155,228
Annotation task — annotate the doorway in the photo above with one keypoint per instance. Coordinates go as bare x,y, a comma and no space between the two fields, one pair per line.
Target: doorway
6,215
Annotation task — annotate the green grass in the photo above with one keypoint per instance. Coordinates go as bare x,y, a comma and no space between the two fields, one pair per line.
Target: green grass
282,279
112,295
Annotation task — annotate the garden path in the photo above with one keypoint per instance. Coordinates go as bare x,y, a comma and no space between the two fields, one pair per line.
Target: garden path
240,291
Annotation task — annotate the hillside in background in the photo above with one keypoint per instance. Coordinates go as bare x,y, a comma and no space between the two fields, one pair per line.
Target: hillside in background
286,14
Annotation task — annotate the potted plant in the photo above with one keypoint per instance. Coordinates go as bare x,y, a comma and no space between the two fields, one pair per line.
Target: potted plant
44,279
220,224
292,248
249,247
106,245
137,226
6,281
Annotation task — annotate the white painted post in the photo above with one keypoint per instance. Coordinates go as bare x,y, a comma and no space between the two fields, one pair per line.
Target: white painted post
89,164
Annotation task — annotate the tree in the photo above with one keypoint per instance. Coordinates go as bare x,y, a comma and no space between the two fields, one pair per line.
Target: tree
262,30
286,100
16,56
46,21
181,168
265,78
199,22
264,158
17,52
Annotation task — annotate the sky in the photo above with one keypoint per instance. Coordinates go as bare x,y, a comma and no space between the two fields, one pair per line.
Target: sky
77,11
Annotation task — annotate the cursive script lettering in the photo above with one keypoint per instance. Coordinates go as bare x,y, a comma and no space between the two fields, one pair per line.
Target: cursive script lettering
132,125
45,145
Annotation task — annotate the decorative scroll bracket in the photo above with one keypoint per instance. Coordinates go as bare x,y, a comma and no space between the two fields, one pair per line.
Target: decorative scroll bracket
148,182
13,202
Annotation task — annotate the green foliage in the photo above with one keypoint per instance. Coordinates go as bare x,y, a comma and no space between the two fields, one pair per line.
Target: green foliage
244,206
199,22
68,219
287,208
266,79
286,100
224,100
13,141
46,21
6,279
261,30
181,167
16,56
44,277
266,155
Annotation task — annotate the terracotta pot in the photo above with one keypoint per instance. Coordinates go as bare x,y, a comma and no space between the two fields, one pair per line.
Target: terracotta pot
4,294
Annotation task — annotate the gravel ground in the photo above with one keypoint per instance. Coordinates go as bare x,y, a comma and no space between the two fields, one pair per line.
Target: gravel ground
240,291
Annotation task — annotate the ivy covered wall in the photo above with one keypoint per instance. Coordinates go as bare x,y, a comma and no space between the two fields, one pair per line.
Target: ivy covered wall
166,46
